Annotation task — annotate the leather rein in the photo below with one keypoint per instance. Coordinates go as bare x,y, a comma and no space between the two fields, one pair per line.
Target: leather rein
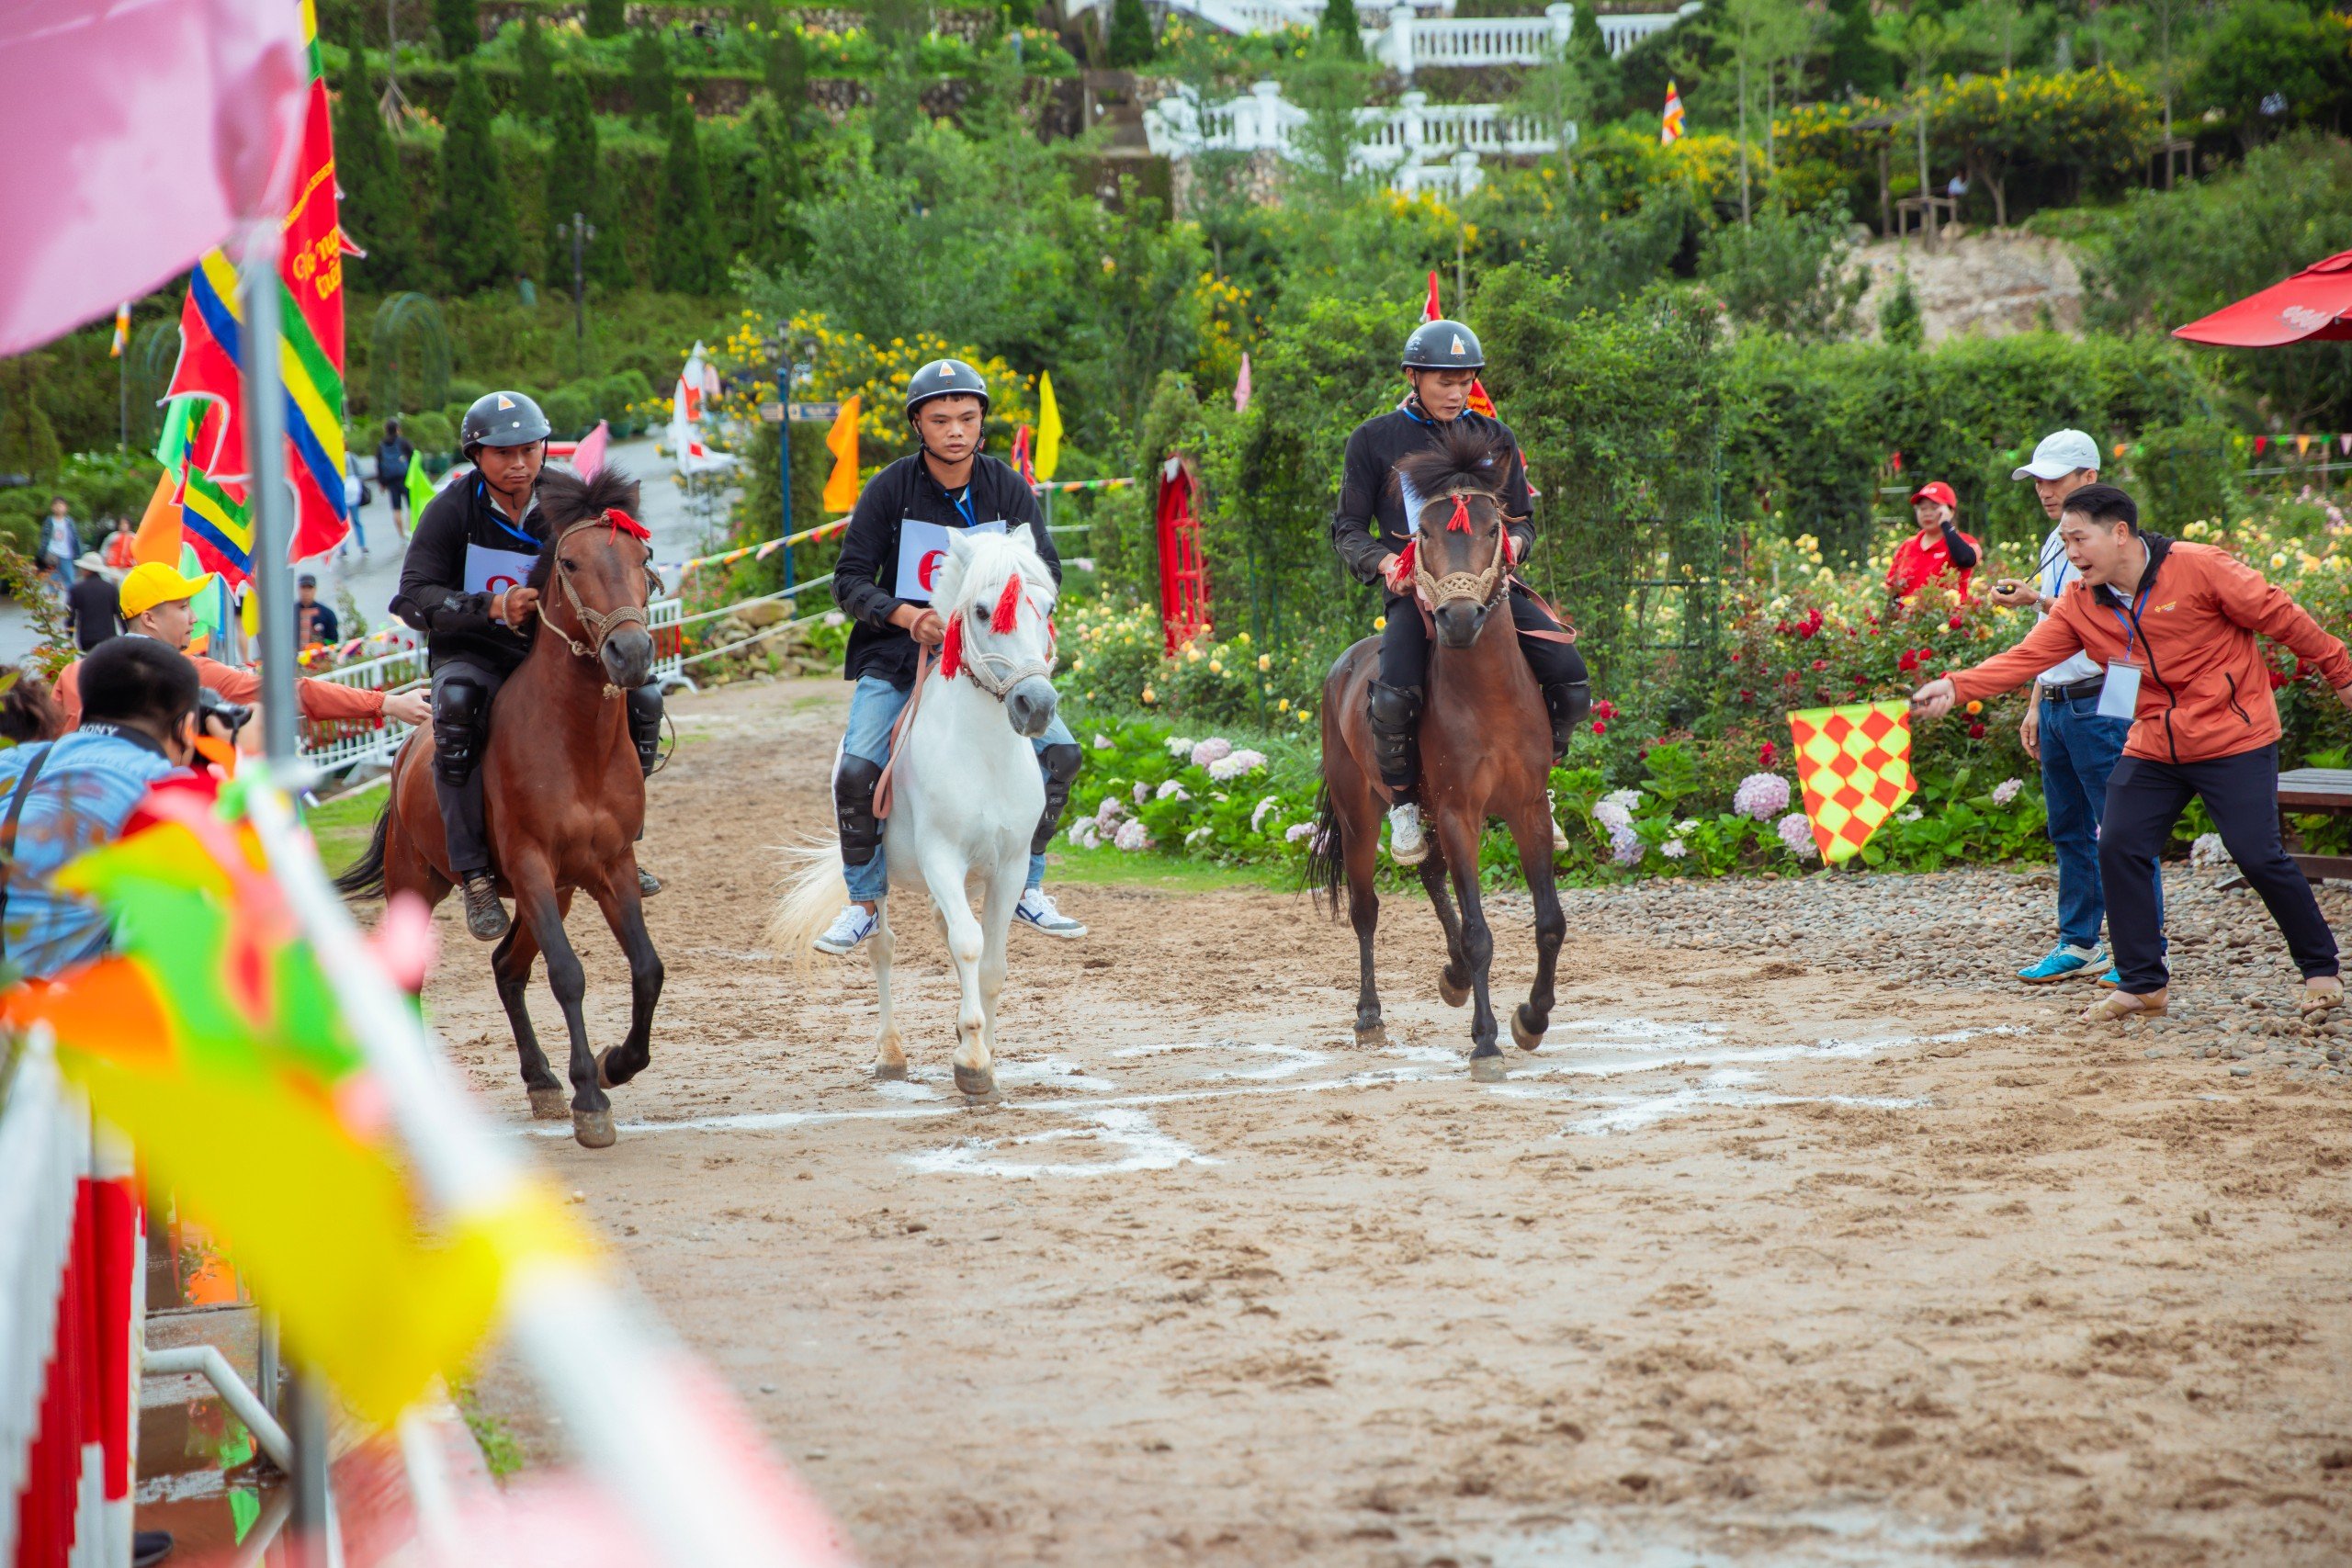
995,673
600,625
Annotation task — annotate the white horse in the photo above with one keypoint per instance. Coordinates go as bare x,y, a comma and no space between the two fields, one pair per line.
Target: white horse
966,792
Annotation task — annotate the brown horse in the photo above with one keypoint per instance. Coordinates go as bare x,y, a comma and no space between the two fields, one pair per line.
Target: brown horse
563,797
1485,752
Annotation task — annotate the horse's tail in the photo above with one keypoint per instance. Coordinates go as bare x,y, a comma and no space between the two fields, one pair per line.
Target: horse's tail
814,892
1326,861
364,878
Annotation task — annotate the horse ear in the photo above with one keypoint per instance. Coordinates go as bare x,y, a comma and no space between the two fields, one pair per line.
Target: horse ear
1022,534
959,547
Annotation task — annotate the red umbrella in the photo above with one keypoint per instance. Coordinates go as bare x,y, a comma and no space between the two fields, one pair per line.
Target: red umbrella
2313,306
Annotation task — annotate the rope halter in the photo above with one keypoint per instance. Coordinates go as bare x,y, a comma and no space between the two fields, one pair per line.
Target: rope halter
600,625
993,673
1480,587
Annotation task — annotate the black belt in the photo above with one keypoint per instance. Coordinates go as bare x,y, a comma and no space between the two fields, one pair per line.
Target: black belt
2088,686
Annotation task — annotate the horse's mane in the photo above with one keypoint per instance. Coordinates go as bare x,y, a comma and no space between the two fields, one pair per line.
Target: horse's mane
1464,458
995,558
565,498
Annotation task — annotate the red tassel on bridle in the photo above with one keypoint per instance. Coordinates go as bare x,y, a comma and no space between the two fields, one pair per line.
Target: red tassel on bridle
628,525
1007,606
1460,521
951,650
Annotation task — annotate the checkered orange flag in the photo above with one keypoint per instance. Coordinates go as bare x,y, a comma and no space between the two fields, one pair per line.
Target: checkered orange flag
1855,765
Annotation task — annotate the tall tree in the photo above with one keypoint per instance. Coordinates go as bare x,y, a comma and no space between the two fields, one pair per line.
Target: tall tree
1854,63
377,213
459,23
475,224
1924,42
653,90
1338,23
1131,43
1761,34
571,186
686,258
780,184
606,18
787,72
534,90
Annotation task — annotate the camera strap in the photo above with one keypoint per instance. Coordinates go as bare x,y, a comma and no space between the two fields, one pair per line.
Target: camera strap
8,837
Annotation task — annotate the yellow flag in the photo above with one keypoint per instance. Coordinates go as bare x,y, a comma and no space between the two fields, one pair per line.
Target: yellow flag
1855,765
840,488
1049,428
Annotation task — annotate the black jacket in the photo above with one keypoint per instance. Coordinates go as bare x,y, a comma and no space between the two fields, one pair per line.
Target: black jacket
1369,521
93,611
432,596
866,578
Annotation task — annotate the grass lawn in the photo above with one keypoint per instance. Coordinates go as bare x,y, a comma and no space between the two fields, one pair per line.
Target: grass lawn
1110,867
342,827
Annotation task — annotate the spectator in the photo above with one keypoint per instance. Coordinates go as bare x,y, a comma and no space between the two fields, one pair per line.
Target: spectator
1936,548
1957,186
2175,625
61,542
93,612
393,456
121,551
355,498
70,795
155,604
313,622
2076,745
27,712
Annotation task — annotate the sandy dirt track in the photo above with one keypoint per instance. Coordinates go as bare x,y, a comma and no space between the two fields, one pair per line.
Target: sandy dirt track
1756,1262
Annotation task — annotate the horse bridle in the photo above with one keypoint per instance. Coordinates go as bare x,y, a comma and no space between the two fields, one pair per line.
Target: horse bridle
997,673
600,625
1482,587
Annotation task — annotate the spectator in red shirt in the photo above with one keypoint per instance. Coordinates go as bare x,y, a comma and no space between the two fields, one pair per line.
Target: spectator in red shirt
1936,548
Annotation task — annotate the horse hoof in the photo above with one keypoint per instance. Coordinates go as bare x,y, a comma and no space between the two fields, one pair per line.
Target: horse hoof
1378,1035
894,1072
1487,1069
593,1129
1526,1039
979,1085
1455,994
550,1104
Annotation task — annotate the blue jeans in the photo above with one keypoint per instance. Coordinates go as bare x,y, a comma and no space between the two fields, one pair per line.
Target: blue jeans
873,709
2079,749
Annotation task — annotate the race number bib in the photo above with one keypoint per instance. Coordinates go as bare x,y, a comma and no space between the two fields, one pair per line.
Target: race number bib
923,550
496,572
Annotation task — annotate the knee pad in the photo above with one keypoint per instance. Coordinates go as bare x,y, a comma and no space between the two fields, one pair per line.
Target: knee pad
1569,702
853,782
1395,709
460,717
645,725
1060,765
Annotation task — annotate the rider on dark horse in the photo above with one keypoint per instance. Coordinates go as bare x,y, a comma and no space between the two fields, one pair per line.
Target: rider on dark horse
463,586
895,539
1370,527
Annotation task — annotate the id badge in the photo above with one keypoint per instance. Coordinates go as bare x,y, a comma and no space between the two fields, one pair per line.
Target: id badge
2119,698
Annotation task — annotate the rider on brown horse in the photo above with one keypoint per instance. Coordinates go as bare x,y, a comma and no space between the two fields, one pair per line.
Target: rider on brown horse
463,585
1373,529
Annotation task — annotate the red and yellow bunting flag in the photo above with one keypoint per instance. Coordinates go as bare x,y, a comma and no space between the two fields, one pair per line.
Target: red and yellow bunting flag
1855,765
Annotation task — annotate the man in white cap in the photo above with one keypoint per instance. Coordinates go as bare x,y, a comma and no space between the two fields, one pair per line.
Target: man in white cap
2063,729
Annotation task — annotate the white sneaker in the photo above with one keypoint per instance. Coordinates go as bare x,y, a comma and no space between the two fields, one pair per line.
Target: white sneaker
850,927
1036,907
1406,845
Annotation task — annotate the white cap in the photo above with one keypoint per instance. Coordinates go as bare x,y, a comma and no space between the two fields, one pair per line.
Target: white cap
2060,453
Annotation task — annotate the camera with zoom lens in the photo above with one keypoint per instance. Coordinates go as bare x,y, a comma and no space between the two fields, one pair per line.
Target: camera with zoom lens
211,704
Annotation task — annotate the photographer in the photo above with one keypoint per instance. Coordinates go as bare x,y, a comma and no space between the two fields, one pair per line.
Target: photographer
155,604
60,798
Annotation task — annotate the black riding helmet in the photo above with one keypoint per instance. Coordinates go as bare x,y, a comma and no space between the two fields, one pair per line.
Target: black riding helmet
502,419
1443,346
945,378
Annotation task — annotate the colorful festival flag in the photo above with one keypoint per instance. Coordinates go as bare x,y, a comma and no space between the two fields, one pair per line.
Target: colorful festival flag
841,486
1854,763
1024,463
1049,428
214,522
121,331
1669,125
1241,386
420,490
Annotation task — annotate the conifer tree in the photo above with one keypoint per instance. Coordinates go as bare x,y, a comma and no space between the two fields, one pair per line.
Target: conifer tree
788,73
377,211
685,253
535,92
1131,43
572,187
606,18
475,224
1338,23
652,91
459,23
780,183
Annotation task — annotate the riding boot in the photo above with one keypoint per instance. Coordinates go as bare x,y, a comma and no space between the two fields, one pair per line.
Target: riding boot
1395,713
1568,703
485,916
644,731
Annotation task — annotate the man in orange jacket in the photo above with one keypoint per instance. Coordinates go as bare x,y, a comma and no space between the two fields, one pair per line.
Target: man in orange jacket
2175,625
155,604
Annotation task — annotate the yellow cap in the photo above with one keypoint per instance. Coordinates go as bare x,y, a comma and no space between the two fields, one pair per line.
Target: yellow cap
154,583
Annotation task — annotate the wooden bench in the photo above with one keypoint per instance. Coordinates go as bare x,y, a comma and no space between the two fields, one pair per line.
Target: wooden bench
2308,790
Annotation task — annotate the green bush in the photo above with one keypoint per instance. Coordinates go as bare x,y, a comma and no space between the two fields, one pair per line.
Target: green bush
571,411
431,432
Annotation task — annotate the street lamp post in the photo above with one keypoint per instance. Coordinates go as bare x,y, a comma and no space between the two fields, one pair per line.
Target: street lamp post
578,231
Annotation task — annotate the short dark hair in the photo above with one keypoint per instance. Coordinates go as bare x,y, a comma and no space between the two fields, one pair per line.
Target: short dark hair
138,680
2103,503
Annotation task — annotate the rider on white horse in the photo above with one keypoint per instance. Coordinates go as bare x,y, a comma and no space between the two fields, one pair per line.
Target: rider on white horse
896,542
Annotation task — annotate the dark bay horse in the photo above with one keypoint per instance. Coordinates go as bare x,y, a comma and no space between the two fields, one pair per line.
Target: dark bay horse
1486,750
563,797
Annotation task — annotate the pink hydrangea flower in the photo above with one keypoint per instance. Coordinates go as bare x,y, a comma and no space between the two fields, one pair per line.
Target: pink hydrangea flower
1762,796
1132,837
1211,749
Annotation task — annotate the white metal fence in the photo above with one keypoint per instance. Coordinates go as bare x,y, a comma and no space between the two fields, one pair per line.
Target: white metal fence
1416,145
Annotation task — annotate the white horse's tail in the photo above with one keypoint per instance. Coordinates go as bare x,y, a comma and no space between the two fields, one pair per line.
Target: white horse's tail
814,892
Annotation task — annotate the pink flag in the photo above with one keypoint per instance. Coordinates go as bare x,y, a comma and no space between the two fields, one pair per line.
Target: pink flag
152,129
1241,385
589,455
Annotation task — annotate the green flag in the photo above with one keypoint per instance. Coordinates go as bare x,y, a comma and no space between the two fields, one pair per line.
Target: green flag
420,489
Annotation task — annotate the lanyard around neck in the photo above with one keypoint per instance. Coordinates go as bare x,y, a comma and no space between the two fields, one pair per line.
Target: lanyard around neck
2147,582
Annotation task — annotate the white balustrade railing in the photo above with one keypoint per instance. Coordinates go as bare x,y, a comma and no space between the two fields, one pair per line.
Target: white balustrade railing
1410,43
1416,145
